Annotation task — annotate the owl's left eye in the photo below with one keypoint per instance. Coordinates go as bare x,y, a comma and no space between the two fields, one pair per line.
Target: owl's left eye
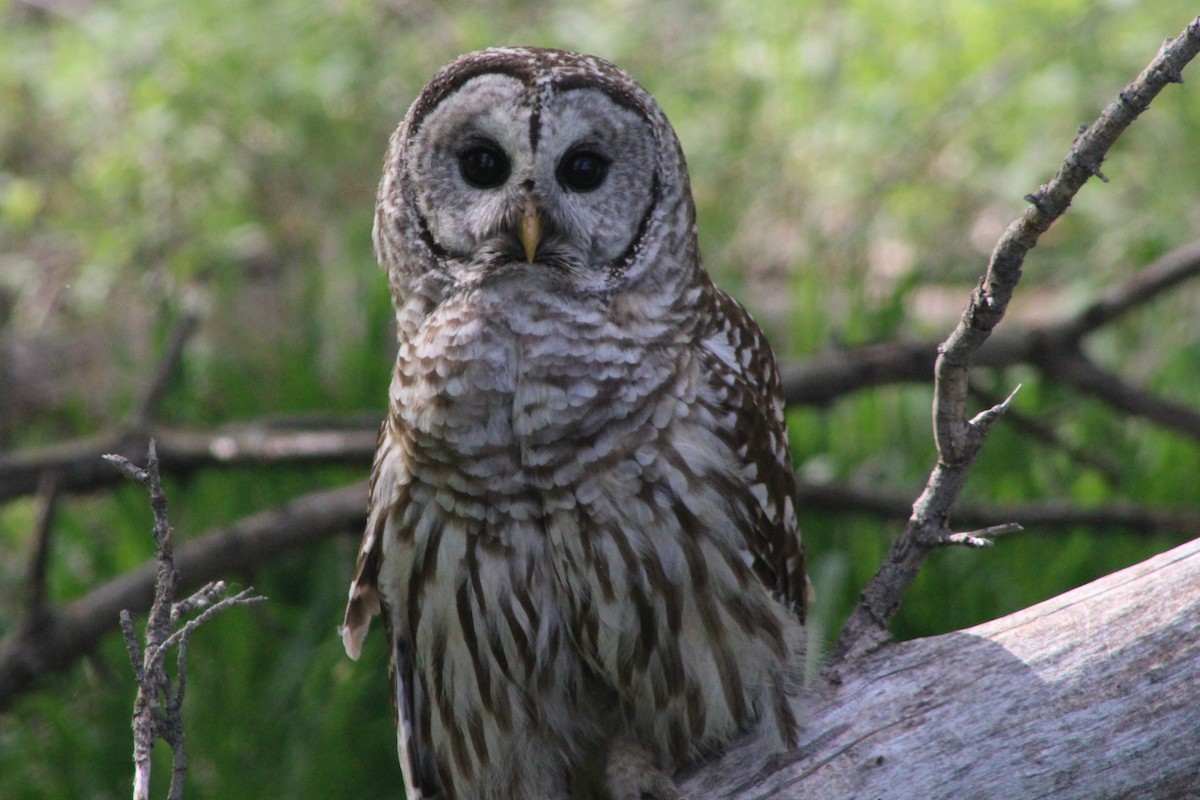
582,170
484,166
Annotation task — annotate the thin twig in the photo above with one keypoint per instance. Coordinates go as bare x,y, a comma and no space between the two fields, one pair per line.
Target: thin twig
203,598
160,381
1046,435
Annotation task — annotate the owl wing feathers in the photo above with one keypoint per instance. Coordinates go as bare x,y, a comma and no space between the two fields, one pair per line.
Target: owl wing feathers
364,589
420,775
742,363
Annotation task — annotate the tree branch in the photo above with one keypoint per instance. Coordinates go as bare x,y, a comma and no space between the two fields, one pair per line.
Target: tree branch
160,381
157,710
1076,370
35,585
77,627
959,439
826,377
1166,272
1088,695
818,380
891,504
80,469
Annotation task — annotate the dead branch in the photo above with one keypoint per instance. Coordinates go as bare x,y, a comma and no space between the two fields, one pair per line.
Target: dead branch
1166,272
1090,695
1075,369
158,708
826,377
35,583
891,504
79,467
160,380
819,380
67,633
958,437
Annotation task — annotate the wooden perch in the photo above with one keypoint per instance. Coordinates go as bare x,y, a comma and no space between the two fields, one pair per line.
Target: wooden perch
1089,695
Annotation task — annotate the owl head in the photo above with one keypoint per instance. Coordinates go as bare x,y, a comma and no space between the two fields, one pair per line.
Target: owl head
554,166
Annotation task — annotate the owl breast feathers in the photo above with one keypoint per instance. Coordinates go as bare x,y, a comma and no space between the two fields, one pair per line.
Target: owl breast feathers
581,537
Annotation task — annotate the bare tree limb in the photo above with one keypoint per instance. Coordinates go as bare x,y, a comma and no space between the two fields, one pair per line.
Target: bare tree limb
1090,695
157,710
1075,369
818,380
79,468
35,585
958,439
76,628
1047,435
825,377
160,381
1166,272
892,504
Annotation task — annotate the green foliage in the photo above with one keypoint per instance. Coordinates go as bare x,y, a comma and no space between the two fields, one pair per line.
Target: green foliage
852,163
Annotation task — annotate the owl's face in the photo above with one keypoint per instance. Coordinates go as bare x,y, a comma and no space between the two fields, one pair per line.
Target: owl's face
537,162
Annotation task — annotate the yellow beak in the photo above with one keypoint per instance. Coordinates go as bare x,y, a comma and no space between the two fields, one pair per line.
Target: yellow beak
531,229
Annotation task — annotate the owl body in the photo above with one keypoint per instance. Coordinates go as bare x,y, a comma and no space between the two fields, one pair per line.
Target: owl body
581,534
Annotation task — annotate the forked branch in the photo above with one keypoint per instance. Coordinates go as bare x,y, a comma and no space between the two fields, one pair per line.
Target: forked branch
157,710
957,436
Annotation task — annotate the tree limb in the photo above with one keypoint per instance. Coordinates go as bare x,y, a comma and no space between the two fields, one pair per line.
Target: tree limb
959,439
892,504
80,469
1090,695
76,628
158,708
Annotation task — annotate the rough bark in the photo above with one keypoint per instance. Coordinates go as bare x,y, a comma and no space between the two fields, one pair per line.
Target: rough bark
1094,694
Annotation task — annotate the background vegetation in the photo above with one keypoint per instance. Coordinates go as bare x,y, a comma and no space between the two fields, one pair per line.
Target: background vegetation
853,164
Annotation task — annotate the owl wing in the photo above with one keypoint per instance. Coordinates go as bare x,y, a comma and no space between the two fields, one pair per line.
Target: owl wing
746,377
408,699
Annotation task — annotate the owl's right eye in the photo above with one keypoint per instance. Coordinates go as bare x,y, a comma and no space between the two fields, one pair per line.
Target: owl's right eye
484,166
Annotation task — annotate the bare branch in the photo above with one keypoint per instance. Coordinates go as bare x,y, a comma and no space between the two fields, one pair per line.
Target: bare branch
79,468
983,537
157,709
1165,272
160,381
203,598
825,377
894,505
74,629
1046,434
35,586
1075,369
958,439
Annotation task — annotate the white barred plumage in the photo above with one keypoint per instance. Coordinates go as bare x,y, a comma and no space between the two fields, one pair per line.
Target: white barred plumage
582,537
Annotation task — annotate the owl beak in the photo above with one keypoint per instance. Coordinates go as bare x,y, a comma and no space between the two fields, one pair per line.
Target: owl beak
530,232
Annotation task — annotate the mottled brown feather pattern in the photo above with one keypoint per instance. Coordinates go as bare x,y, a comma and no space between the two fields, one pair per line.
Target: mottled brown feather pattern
581,534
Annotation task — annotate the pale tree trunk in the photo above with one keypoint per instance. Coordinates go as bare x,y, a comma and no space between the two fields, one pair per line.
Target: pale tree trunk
1091,695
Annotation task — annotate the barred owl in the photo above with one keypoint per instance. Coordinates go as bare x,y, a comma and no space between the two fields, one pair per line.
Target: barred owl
581,537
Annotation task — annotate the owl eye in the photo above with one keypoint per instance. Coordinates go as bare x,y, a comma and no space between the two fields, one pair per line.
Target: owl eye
484,166
582,170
